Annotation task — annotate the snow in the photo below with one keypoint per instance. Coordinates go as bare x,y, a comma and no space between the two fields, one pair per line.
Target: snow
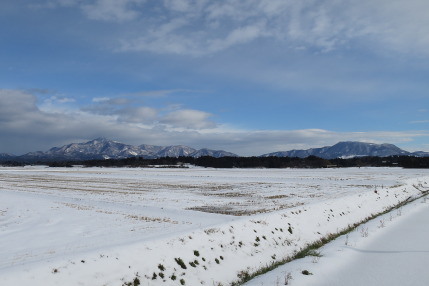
394,252
101,226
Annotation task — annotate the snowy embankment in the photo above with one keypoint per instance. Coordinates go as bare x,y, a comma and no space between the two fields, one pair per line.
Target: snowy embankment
218,253
389,250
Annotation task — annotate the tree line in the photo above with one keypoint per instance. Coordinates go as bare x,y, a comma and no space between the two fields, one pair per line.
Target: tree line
246,162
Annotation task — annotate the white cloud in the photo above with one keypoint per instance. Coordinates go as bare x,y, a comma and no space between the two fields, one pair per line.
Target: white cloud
113,10
59,99
419,121
325,26
66,100
132,111
51,4
157,93
189,119
100,99
143,115
101,10
202,27
180,5
15,104
240,35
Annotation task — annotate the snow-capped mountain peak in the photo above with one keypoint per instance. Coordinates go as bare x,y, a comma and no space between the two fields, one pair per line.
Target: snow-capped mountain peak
102,148
346,149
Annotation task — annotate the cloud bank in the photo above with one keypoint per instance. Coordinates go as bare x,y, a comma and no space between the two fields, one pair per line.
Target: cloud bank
21,118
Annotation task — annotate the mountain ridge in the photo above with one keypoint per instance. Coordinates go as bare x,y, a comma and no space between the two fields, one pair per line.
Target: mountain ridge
349,149
102,148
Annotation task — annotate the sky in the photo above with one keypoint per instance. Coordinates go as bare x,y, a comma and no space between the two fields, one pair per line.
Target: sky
249,77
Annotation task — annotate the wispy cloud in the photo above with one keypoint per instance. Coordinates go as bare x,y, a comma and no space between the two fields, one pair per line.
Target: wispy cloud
100,10
325,26
201,28
113,10
419,121
158,93
100,99
59,99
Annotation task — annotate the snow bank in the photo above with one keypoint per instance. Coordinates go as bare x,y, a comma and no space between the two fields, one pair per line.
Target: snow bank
389,250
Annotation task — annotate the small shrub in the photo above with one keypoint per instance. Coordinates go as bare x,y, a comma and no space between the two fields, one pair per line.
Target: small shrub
217,260
290,230
182,281
161,267
154,276
173,277
180,262
211,230
221,257
288,277
306,272
243,276
136,281
196,253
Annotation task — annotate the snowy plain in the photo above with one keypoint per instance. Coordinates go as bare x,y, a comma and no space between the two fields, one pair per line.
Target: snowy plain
112,226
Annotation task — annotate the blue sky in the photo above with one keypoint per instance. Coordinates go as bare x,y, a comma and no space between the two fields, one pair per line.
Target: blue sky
250,77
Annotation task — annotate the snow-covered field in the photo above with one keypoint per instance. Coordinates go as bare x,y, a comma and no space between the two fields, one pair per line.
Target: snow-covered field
110,226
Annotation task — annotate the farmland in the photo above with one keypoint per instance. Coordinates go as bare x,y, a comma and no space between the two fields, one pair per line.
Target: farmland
109,226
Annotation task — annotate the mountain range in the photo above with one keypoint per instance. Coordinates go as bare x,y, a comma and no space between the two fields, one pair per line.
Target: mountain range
102,148
349,150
